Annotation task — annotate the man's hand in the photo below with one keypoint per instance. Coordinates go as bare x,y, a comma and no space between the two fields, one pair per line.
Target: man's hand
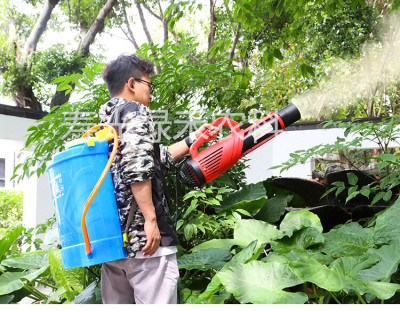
153,238
212,130
142,193
181,148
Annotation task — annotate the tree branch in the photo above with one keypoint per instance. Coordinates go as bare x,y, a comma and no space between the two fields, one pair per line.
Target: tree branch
39,28
129,35
144,24
161,10
96,27
211,36
235,42
151,11
269,21
165,21
146,31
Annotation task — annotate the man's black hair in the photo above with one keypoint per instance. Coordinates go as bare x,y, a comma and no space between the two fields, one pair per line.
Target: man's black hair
117,72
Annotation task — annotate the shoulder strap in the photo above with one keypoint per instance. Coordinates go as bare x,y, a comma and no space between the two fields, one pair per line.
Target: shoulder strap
115,118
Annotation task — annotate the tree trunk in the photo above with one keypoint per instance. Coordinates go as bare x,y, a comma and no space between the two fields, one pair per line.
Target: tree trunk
211,36
39,28
25,98
60,97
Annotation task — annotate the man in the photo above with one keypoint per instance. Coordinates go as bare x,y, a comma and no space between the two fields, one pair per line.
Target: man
150,273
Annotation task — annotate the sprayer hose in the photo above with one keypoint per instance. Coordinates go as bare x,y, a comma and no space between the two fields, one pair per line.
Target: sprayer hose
99,182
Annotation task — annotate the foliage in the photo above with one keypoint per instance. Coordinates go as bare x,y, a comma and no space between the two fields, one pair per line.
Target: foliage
381,133
10,207
63,123
229,231
348,264
23,272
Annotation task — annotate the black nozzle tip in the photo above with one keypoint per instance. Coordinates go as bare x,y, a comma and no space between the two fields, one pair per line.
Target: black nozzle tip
289,114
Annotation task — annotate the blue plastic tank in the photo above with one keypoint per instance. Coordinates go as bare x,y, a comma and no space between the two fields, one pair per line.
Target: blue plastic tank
73,174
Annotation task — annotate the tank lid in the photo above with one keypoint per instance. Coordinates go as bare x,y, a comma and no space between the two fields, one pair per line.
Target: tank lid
80,141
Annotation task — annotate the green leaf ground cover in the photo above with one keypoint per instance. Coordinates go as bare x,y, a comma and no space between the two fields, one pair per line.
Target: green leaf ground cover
343,260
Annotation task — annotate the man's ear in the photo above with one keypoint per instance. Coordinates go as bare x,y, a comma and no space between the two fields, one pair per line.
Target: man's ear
131,84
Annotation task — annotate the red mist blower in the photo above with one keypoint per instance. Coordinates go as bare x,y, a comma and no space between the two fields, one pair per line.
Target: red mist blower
219,157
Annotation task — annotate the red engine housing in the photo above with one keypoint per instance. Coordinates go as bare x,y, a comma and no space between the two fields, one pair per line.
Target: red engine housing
219,157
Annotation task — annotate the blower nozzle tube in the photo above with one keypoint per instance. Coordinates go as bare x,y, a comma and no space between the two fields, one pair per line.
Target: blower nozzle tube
289,114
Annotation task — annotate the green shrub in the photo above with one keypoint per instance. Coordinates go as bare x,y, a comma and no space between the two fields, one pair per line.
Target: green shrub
10,207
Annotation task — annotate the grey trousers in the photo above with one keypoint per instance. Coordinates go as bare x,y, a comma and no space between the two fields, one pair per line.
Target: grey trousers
150,280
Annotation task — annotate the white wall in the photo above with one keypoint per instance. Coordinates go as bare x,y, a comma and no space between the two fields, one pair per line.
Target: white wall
37,198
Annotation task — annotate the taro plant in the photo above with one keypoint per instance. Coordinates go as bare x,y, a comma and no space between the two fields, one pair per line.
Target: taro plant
38,275
297,263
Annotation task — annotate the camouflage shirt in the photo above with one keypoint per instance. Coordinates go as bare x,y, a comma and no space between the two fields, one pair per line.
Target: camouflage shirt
134,162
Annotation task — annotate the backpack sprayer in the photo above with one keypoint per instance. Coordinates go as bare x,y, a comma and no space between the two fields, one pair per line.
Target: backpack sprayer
80,178
218,158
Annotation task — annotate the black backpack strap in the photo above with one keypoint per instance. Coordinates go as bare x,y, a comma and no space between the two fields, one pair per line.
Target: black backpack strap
117,115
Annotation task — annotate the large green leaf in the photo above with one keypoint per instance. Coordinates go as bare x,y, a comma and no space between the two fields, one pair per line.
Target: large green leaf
20,294
250,198
205,259
71,279
318,256
259,282
32,260
387,228
299,241
189,296
6,299
225,244
248,230
390,260
61,290
273,208
88,295
298,220
33,274
11,281
9,238
349,240
350,266
340,277
215,284
219,299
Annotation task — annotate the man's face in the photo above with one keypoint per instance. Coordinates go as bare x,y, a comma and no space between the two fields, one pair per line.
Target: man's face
142,90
